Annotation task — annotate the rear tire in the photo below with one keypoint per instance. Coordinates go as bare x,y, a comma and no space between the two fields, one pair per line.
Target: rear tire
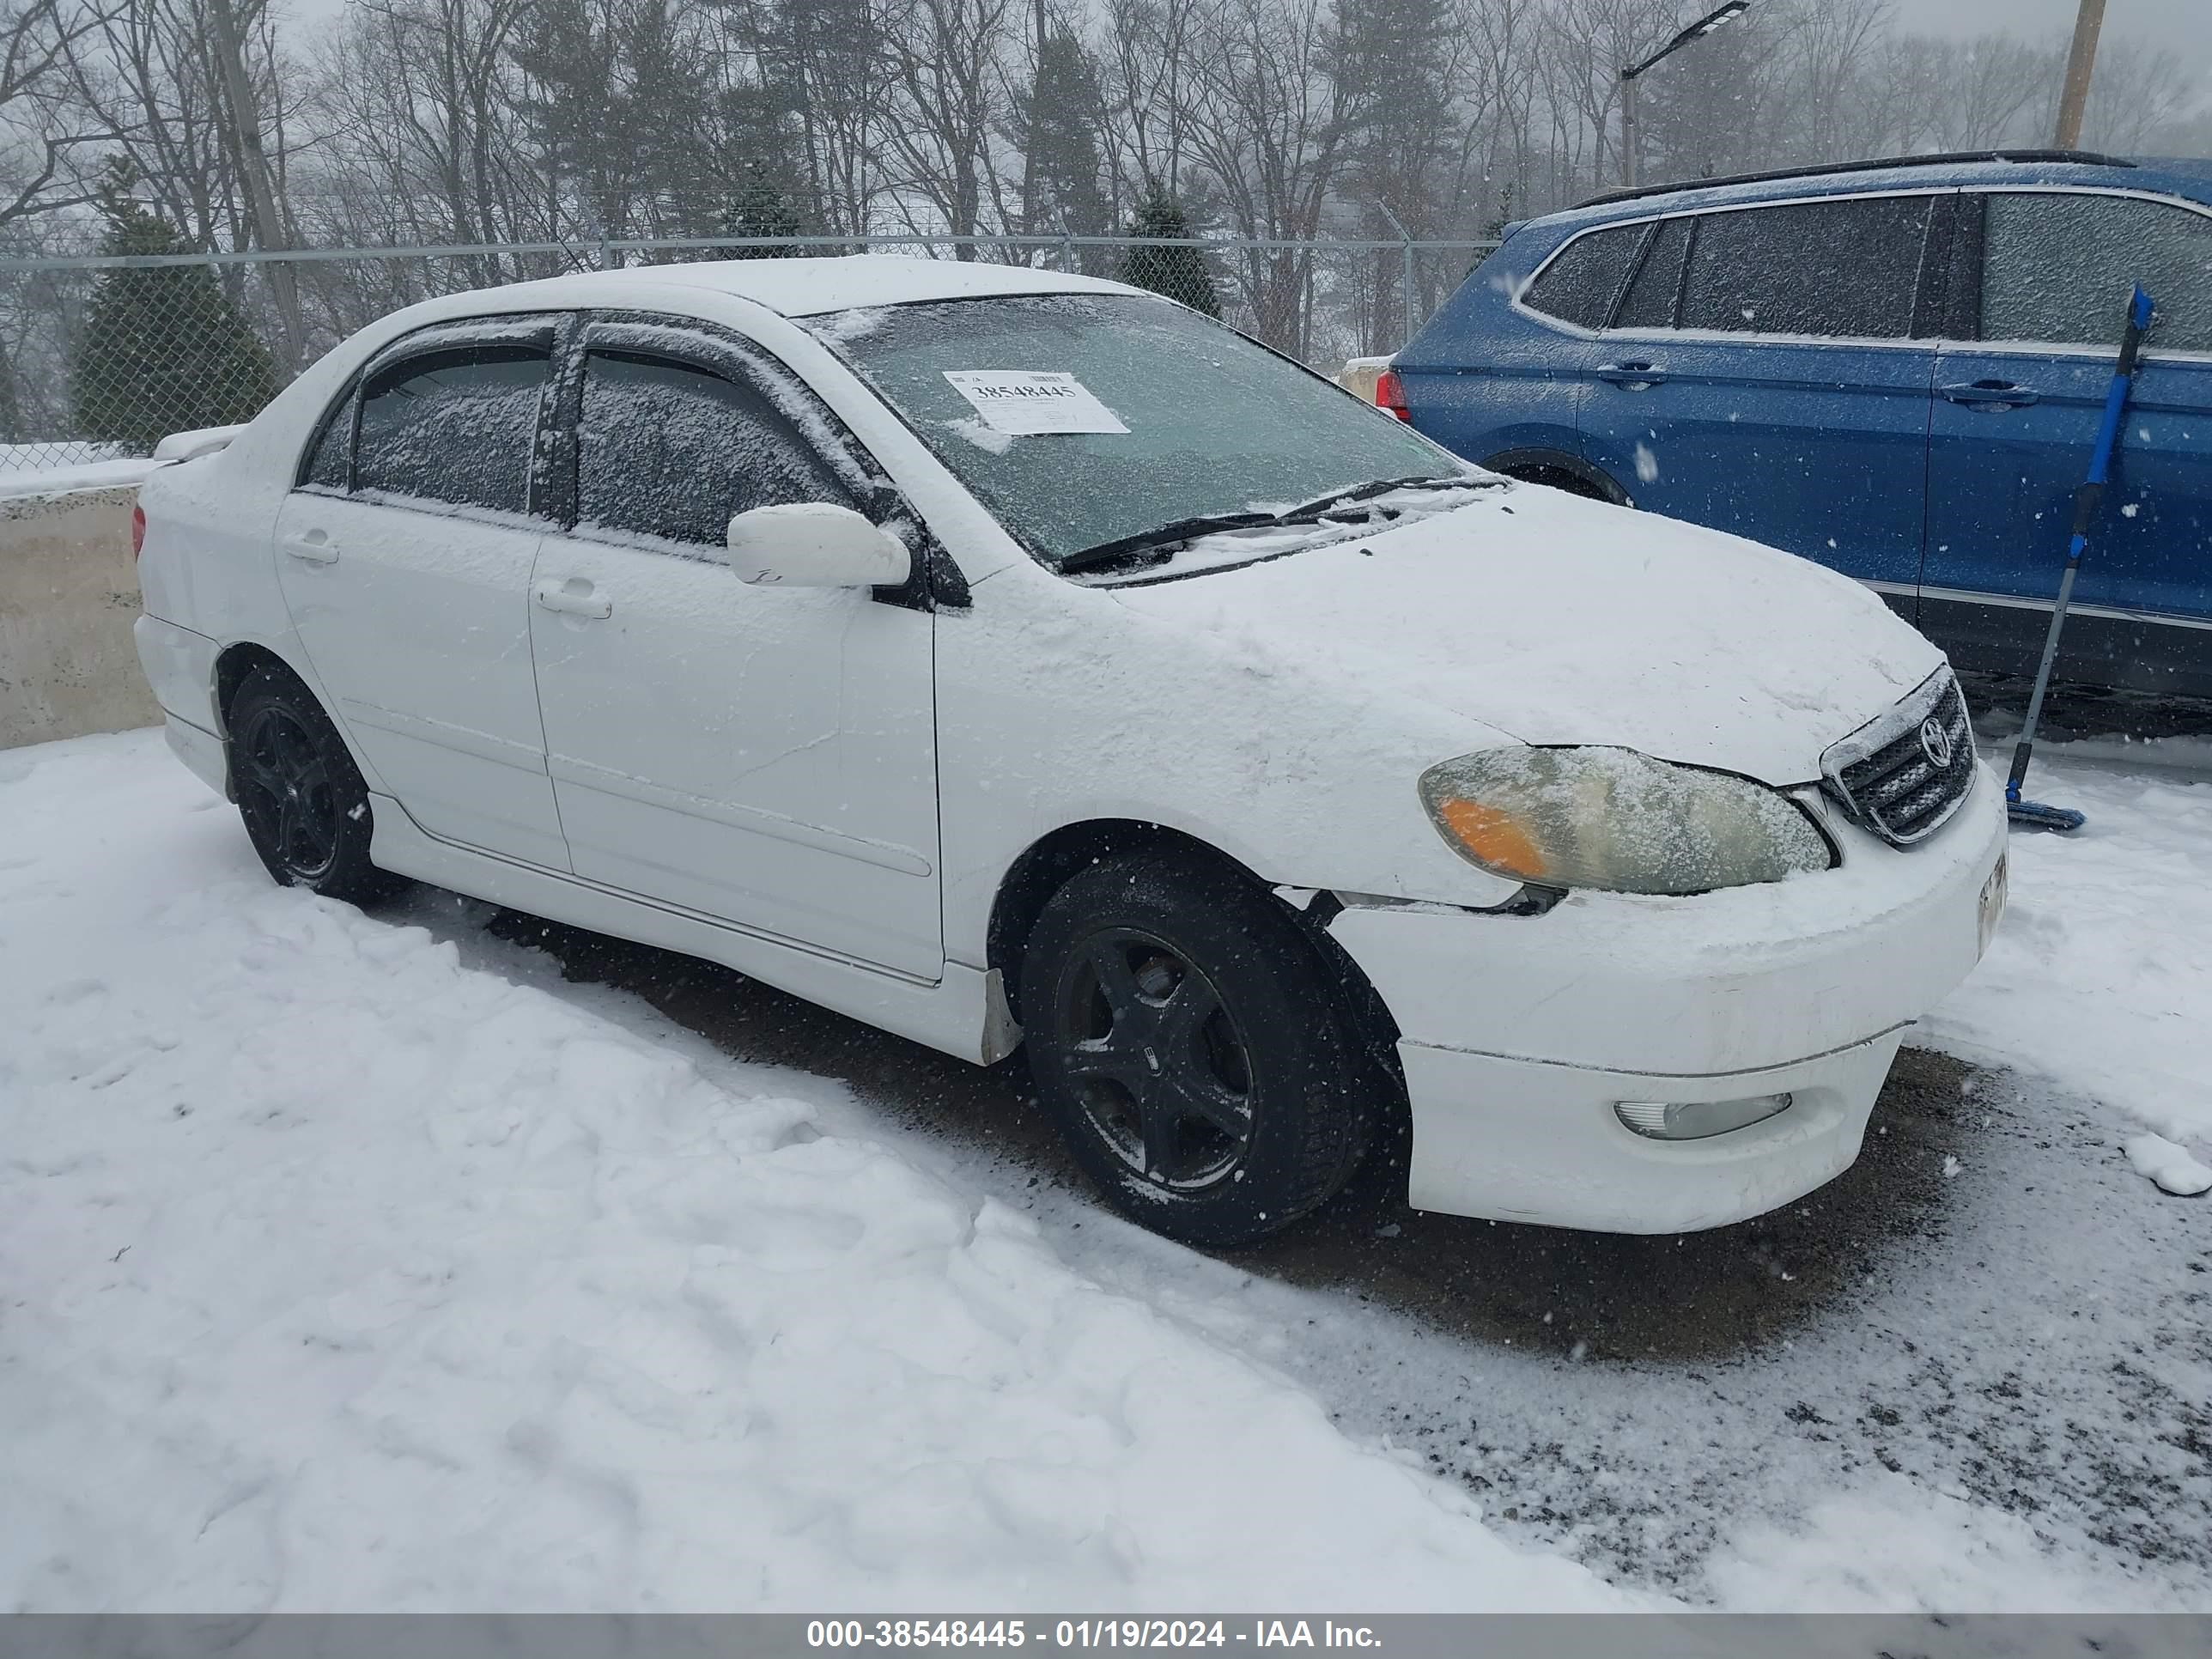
304,804
1187,1037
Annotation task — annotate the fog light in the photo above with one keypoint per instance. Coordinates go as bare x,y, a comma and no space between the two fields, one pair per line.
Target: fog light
1697,1120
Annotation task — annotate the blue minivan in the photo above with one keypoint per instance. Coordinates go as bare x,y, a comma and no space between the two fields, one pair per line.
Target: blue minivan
1895,369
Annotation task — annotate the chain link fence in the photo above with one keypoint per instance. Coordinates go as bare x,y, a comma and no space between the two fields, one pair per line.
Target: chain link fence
101,358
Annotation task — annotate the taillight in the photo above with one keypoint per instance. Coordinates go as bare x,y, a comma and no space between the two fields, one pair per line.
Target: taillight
137,531
1390,395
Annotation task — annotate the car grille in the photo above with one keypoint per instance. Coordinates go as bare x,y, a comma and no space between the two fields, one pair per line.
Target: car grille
1902,774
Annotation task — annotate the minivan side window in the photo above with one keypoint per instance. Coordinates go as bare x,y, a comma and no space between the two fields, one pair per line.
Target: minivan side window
1840,269
454,425
674,452
1579,285
2059,267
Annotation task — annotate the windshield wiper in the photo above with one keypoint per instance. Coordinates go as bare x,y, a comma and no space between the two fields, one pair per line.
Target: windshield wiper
1335,498
1127,548
1147,541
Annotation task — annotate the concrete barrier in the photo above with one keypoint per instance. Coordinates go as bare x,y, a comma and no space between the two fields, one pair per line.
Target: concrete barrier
1359,375
68,592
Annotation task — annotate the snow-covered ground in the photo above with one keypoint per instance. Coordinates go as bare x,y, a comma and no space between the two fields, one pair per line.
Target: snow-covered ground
2101,976
341,1276
351,1261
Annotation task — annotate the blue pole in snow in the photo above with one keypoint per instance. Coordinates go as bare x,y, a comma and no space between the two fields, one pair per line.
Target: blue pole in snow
2086,501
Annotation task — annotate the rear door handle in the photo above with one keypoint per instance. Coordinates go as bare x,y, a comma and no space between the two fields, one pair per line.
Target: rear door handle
1635,376
1990,394
314,547
573,598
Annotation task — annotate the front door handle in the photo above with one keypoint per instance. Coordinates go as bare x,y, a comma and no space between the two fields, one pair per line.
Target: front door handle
1990,394
574,598
1634,376
314,547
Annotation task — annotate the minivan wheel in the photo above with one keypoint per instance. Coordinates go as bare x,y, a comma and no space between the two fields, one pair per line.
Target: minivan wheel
303,800
1185,1035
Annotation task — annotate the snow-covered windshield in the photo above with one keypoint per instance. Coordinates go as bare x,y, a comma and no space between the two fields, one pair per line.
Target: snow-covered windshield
1087,422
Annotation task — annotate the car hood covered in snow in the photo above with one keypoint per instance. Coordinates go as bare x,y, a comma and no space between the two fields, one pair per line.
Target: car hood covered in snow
1564,621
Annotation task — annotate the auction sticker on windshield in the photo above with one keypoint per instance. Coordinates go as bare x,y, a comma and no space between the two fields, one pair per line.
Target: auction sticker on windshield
1031,403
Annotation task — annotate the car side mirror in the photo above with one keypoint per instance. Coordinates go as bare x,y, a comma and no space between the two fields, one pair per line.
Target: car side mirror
815,545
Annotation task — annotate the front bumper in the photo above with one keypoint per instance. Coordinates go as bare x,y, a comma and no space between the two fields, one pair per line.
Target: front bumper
1519,1034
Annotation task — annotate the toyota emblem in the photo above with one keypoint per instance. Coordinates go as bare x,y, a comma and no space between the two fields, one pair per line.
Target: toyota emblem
1936,744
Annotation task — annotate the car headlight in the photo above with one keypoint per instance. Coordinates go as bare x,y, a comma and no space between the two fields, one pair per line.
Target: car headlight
1614,819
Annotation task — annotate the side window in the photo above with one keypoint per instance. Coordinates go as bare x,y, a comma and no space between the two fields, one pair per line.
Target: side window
329,462
1840,269
675,453
455,425
1651,299
1579,285
2059,267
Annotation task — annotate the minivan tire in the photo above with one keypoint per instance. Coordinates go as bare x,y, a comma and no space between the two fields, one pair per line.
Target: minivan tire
304,804
1185,1035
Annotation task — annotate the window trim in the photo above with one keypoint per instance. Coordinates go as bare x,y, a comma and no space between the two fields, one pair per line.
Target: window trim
2182,357
1890,342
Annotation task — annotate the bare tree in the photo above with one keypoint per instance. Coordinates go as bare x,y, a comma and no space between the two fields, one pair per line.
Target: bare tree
949,72
1272,121
39,129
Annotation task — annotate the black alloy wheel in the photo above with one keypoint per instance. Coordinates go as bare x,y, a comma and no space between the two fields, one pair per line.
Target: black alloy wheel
1156,1060
304,804
1206,1068
284,790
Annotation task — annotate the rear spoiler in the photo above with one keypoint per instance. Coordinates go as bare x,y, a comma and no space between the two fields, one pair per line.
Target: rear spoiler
190,446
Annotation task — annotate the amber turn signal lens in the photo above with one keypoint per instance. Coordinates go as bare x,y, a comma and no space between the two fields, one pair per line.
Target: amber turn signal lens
1494,837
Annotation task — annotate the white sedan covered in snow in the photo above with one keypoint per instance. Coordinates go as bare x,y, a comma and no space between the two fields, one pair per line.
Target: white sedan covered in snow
1004,658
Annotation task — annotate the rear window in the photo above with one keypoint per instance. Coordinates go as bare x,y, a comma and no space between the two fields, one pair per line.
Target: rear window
454,427
1842,270
1580,283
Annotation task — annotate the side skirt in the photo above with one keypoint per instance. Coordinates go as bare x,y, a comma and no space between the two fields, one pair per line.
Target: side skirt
962,1014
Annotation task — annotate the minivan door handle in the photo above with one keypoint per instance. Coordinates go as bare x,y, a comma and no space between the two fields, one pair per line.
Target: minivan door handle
1990,394
574,598
1634,376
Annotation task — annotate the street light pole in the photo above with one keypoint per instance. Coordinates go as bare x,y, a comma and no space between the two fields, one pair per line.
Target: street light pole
2080,69
1630,76
1628,131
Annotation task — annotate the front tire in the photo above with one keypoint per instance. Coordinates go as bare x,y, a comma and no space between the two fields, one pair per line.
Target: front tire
304,804
1186,1036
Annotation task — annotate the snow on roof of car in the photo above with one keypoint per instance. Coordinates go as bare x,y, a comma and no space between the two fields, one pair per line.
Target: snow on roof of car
808,288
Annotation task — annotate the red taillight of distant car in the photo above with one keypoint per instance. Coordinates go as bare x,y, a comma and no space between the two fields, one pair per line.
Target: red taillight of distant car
137,531
1390,395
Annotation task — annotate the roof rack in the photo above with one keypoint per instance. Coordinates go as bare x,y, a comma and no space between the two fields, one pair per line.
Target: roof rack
2081,157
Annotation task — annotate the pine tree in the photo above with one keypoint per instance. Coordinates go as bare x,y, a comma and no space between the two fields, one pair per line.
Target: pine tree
1180,273
1059,123
163,349
762,208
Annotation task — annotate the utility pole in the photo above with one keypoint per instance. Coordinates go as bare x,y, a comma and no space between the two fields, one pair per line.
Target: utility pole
2080,69
1028,149
1630,76
1628,130
254,176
